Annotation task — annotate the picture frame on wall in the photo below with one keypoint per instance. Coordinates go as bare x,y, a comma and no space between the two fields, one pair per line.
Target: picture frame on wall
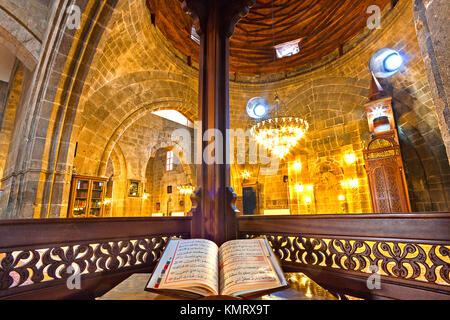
133,189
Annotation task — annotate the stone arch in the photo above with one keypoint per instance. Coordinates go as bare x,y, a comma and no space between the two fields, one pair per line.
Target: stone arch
119,162
19,39
150,175
326,177
115,136
8,116
327,165
341,95
119,181
178,152
45,125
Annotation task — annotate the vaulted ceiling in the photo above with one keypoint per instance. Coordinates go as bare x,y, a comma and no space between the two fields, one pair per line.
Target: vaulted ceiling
323,25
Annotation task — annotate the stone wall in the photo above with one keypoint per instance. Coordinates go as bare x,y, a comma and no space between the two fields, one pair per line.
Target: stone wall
4,88
158,179
432,25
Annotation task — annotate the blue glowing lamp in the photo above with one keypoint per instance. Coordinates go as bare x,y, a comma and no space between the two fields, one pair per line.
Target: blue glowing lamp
260,110
393,62
385,63
257,107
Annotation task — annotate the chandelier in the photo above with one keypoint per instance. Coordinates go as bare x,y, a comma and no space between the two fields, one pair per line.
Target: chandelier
186,189
280,134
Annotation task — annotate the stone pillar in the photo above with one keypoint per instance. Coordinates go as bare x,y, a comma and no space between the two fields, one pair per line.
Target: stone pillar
214,22
432,24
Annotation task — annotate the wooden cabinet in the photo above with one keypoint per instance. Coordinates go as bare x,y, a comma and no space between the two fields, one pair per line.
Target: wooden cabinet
87,197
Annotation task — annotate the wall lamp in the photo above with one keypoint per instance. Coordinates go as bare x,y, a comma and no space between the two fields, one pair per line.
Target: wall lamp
257,107
385,63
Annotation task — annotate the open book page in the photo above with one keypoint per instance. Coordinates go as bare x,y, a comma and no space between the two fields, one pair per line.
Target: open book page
248,266
190,265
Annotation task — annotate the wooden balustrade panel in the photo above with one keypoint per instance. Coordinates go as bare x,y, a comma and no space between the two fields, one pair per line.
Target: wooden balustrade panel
39,257
410,252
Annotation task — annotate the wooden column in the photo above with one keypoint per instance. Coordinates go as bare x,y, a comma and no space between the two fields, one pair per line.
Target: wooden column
214,21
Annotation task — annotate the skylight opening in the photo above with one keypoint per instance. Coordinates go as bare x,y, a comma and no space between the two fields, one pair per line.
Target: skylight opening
288,49
195,36
174,116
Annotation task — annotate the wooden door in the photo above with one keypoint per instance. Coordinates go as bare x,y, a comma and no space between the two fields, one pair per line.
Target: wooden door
387,186
387,182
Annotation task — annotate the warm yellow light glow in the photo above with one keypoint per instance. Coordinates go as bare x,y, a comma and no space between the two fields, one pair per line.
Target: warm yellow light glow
245,174
308,293
107,201
341,197
186,189
350,158
310,188
280,135
145,196
352,183
297,165
304,280
299,188
308,199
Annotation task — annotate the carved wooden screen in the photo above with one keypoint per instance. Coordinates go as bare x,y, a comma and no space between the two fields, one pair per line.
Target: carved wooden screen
387,183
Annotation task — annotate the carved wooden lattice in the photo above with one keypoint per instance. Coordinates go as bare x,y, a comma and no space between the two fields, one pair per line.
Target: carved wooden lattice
412,261
32,266
387,183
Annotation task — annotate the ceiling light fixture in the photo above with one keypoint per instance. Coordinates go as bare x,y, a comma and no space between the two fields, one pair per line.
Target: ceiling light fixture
288,49
279,134
195,36
186,189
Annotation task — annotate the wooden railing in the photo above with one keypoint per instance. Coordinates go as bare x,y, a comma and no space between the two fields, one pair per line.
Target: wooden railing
410,252
39,259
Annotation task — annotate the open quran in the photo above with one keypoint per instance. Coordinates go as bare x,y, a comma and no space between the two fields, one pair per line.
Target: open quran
198,268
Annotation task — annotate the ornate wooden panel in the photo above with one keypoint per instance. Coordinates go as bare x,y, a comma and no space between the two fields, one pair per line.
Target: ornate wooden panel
28,267
387,182
410,252
411,261
54,250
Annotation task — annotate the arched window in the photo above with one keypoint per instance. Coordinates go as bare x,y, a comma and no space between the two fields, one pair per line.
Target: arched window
169,161
175,116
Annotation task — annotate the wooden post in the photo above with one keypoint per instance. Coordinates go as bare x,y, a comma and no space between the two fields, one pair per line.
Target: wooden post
214,22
